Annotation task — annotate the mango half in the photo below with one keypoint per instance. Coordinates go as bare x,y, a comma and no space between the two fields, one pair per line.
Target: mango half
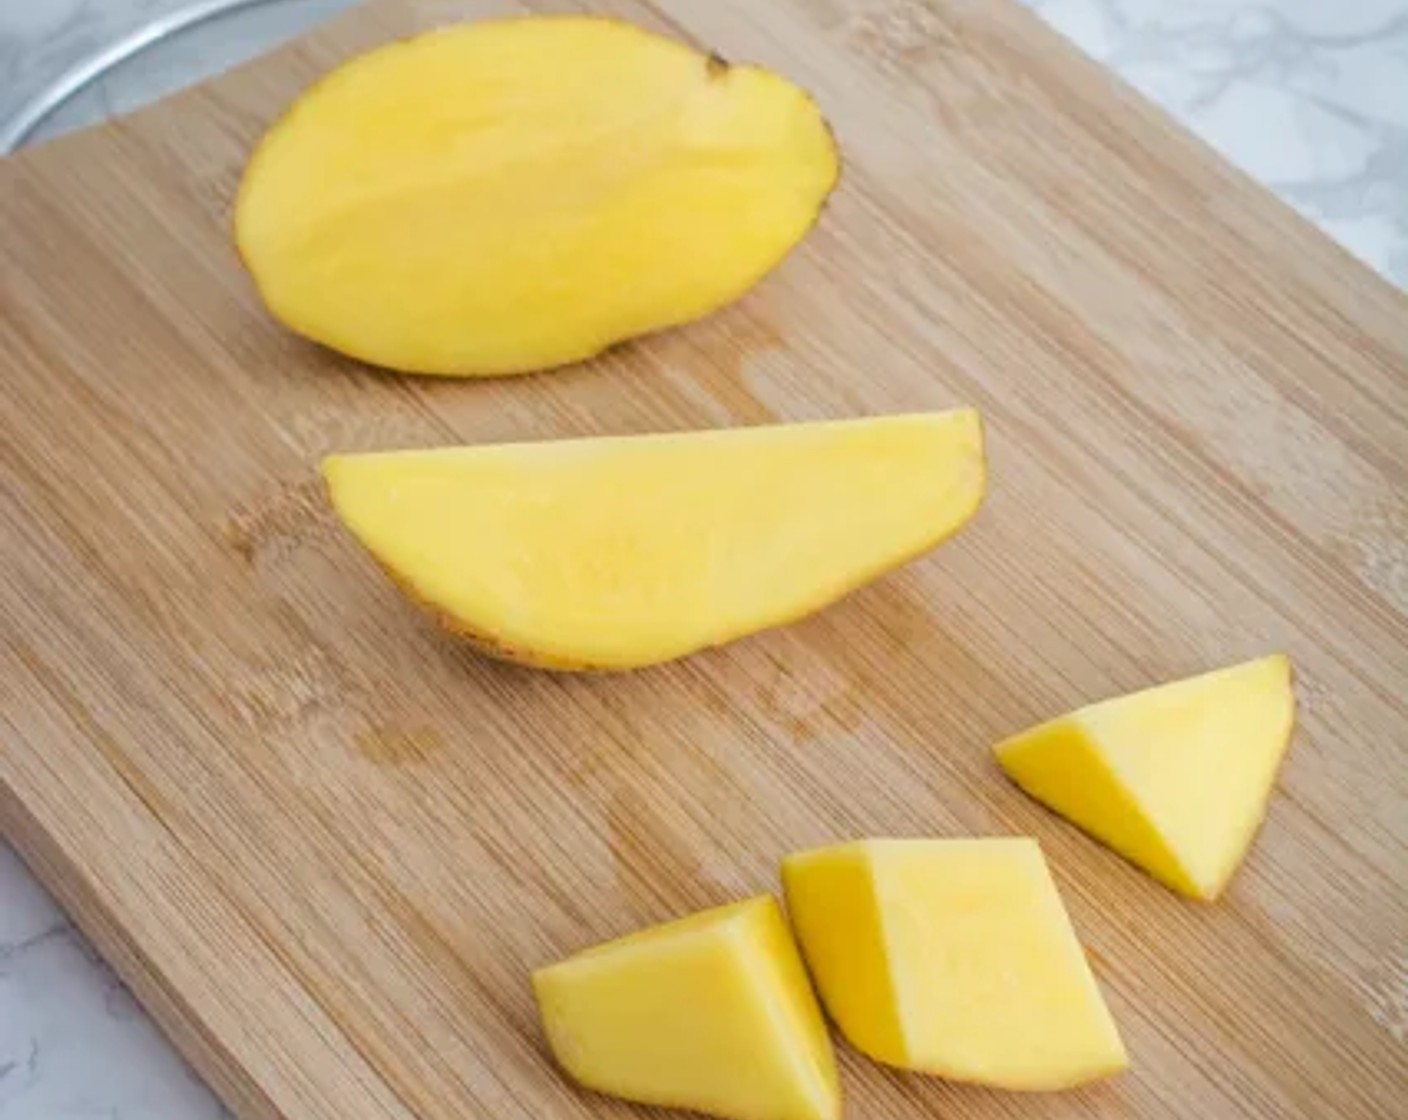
614,553
517,194
712,1013
952,957
1174,778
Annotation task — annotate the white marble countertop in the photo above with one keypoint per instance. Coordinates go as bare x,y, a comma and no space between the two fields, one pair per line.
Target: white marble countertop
1308,96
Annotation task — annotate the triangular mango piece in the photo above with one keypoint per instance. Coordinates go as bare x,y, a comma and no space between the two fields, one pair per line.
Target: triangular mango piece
1174,778
712,1013
952,957
620,552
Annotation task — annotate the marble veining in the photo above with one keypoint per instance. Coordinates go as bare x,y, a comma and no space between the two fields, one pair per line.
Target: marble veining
1308,96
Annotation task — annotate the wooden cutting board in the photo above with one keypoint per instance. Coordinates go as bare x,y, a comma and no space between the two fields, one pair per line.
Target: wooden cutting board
326,844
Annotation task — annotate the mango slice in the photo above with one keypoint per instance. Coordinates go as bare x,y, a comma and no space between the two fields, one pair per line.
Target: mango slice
953,957
712,1013
516,194
1175,778
621,552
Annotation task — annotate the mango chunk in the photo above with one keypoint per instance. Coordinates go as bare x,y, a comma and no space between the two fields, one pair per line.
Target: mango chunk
1174,778
516,194
712,1013
952,957
621,552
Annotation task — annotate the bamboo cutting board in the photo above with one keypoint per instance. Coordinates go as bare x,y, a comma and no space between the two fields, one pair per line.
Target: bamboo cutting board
326,844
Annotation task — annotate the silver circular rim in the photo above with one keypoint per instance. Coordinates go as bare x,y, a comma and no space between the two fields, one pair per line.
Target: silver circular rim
36,111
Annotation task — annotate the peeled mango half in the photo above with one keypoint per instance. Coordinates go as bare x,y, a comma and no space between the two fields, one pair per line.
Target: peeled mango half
512,195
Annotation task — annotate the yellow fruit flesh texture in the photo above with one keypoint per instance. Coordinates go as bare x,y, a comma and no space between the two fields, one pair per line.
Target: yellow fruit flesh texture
512,195
622,552
1175,778
713,1013
952,957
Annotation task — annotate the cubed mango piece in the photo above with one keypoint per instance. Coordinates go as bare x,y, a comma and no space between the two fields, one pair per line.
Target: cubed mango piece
952,957
712,1013
1175,778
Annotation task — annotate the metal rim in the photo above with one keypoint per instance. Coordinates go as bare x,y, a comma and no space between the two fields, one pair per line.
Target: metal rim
36,111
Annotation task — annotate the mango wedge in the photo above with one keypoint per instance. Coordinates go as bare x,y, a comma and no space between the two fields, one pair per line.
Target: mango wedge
516,194
622,552
1175,778
712,1013
952,957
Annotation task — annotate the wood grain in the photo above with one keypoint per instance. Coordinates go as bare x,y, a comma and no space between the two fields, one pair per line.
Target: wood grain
325,843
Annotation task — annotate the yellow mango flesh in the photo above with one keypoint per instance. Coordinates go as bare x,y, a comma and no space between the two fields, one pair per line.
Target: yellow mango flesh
516,194
952,957
713,1013
1175,778
621,552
